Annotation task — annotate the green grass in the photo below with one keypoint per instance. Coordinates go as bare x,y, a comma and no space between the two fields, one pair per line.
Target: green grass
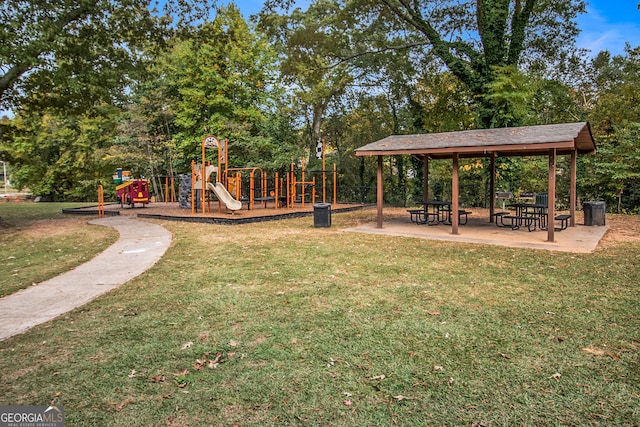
38,242
321,327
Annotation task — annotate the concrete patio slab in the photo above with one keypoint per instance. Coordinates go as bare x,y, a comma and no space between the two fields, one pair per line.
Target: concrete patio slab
578,239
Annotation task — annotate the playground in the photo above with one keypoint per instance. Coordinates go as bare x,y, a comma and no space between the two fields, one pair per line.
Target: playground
214,192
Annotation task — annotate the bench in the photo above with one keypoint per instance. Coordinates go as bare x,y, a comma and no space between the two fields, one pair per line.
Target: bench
498,216
419,216
466,216
447,217
563,222
416,214
517,221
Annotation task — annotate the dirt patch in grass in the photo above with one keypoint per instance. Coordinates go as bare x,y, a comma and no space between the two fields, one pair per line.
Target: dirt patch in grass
622,229
53,227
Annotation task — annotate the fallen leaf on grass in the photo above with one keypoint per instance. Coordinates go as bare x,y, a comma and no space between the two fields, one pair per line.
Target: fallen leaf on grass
218,359
211,363
434,313
132,374
55,398
378,377
157,379
233,343
438,368
504,356
181,374
119,407
555,376
600,352
186,345
594,351
332,362
348,402
399,397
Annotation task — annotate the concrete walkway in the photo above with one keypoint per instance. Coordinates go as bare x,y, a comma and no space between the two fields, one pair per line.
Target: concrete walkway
140,246
578,239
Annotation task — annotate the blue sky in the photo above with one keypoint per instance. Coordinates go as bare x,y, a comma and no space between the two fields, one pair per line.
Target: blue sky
607,25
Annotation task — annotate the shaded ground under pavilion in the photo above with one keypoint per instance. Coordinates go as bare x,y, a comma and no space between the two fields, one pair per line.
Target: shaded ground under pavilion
569,139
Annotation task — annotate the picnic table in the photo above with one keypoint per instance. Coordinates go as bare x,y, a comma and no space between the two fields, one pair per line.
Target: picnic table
531,215
436,212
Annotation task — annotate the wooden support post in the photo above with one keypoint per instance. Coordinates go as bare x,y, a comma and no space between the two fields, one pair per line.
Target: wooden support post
551,203
492,187
379,193
573,195
425,178
454,195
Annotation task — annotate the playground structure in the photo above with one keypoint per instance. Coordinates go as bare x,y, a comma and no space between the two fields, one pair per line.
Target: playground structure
231,188
130,191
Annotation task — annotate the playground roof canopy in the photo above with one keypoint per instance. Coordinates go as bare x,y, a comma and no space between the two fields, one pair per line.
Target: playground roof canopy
514,141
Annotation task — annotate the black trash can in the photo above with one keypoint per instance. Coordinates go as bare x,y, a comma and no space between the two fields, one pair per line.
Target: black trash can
322,215
594,213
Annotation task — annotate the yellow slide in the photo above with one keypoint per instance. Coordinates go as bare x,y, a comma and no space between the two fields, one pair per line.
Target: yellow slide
224,196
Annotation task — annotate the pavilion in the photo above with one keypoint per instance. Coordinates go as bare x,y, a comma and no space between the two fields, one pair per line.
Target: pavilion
543,140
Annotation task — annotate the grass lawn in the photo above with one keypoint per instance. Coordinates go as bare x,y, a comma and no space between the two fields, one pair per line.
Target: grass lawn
284,324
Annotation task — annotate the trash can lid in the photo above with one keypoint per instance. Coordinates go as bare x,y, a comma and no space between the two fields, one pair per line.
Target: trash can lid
322,205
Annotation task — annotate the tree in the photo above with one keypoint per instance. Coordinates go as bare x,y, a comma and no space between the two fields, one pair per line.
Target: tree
476,38
472,39
614,173
61,156
219,81
75,54
307,41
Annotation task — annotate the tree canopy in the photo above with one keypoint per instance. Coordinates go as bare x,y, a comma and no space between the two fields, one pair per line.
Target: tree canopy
99,85
74,54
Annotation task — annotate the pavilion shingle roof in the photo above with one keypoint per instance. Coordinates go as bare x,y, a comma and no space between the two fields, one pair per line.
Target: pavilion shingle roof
526,140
